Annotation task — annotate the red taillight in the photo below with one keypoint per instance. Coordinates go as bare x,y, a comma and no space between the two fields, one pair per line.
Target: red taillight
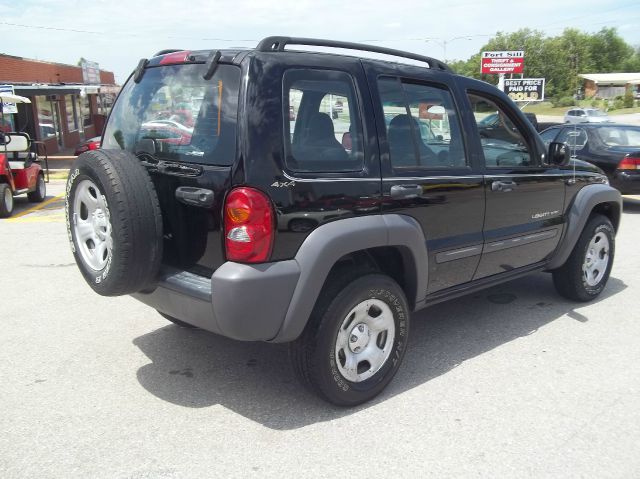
248,226
174,58
629,163
94,145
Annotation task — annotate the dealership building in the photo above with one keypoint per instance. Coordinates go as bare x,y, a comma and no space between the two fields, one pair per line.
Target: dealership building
68,103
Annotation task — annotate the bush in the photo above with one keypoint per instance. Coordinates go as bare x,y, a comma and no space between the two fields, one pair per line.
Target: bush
628,98
618,104
563,101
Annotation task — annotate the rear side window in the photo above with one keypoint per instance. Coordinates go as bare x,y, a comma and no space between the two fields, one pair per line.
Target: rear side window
422,125
323,131
188,118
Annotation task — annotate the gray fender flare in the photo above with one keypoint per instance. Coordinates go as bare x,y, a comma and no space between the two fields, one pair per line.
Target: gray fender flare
585,201
328,243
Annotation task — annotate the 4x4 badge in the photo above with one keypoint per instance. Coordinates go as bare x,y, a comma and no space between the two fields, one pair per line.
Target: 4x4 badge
283,184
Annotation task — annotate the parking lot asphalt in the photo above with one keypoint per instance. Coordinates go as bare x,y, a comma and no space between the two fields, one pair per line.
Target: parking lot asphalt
513,381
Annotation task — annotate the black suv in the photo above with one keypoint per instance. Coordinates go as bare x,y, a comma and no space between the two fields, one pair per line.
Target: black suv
326,229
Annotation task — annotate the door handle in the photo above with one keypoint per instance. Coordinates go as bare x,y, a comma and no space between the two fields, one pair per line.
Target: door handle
406,191
503,185
194,196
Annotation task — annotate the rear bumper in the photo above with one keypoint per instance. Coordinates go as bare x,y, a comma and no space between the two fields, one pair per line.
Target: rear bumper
627,182
240,301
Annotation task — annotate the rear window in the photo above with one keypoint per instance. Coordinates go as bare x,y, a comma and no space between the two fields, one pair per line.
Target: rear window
188,118
619,135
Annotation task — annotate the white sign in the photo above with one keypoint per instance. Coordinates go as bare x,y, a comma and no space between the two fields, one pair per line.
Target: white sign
525,89
509,54
8,107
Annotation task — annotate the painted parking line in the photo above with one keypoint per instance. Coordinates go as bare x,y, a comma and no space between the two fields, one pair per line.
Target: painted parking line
39,206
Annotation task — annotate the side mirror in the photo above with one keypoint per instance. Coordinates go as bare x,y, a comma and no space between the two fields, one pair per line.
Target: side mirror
558,154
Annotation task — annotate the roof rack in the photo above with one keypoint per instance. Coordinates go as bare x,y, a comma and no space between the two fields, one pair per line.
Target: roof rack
277,44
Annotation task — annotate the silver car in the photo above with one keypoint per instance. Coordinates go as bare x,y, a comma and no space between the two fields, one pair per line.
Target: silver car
586,115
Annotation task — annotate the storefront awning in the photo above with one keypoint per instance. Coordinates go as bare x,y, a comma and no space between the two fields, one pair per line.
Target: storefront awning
33,90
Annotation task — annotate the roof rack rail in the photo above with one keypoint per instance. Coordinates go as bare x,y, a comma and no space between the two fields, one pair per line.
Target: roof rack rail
277,44
168,50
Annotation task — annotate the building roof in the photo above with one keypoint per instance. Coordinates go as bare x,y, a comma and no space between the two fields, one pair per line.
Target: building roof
612,78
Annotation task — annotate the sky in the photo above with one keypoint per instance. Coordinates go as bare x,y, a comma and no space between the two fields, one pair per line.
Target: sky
117,34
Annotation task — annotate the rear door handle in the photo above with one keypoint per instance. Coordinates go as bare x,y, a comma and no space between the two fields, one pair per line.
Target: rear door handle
194,196
406,191
503,185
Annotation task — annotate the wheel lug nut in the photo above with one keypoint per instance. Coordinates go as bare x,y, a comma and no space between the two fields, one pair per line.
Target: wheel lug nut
356,349
353,338
361,328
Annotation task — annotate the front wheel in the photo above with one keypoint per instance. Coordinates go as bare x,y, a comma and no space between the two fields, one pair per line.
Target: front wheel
355,340
6,200
585,274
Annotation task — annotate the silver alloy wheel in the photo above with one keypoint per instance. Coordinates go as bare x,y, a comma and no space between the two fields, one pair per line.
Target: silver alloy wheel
365,340
8,199
596,260
91,225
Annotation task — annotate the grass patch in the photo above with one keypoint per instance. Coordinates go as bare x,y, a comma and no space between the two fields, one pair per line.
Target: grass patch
59,174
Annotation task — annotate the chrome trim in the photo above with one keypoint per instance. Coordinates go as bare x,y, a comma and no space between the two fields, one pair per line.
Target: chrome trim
455,254
519,240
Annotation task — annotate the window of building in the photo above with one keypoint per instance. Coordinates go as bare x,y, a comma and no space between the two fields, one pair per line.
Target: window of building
323,130
47,118
503,143
422,125
86,111
72,115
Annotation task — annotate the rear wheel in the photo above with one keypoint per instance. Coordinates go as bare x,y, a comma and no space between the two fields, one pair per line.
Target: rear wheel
114,222
6,200
355,340
40,192
585,274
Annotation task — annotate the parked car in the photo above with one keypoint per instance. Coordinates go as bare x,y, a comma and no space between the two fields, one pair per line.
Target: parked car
90,144
586,115
612,147
191,230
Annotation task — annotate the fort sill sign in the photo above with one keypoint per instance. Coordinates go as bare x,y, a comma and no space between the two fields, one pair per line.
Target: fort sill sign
502,62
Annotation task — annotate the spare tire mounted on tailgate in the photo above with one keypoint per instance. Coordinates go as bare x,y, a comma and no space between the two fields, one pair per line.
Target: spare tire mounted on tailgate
114,222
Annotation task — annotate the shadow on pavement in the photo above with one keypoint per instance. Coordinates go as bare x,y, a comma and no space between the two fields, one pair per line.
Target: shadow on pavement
196,369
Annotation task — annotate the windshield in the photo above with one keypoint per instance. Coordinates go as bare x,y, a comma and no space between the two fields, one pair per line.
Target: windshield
620,136
190,119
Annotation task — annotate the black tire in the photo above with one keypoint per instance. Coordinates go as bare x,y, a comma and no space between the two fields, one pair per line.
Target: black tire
40,192
177,322
6,200
131,212
314,355
570,280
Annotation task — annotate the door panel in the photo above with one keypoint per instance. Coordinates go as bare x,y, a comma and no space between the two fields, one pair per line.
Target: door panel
524,197
427,173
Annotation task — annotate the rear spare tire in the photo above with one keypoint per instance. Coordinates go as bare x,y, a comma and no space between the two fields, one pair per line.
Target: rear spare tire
114,222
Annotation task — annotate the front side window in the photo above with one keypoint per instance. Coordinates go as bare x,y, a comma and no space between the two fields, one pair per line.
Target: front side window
549,135
188,118
422,126
576,138
323,130
503,144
